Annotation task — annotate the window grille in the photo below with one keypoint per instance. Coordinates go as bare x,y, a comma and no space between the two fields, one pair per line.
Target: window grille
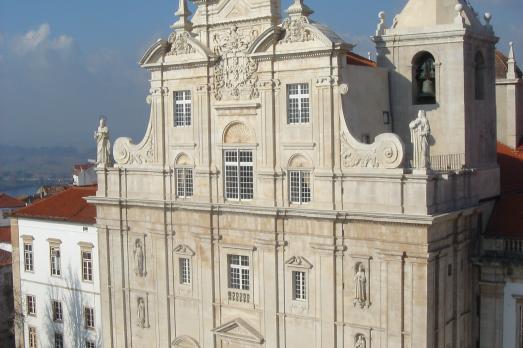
298,103
182,108
300,186
89,317
184,182
55,260
87,266
185,271
239,177
299,285
239,272
57,311
28,257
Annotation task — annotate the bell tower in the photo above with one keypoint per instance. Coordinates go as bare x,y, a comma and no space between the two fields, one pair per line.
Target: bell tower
441,60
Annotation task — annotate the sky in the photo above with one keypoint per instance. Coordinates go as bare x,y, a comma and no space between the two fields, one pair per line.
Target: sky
63,63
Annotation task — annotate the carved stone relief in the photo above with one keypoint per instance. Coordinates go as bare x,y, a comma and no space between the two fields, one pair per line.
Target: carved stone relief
239,133
360,286
360,341
296,30
180,44
141,313
235,74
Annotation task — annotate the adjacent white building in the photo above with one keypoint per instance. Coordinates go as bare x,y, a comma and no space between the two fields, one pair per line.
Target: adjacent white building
57,271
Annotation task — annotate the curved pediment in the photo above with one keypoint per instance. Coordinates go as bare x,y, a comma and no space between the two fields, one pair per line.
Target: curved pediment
155,53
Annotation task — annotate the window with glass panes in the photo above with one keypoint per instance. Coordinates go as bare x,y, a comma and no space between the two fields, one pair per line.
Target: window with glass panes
298,103
57,311
185,270
54,254
31,305
89,344
184,182
87,265
239,272
58,340
182,108
32,337
300,186
28,257
89,317
299,289
239,177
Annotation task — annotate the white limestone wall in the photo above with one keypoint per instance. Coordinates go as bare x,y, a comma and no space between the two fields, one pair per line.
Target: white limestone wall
74,293
511,292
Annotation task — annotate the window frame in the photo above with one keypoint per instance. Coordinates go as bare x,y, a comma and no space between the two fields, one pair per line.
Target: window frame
89,320
58,313
90,344
55,260
56,335
185,270
299,286
32,306
301,112
87,266
184,118
28,257
238,186
243,271
32,337
302,176
184,182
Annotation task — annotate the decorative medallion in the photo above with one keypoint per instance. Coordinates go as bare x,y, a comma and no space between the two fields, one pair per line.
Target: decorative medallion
180,44
296,30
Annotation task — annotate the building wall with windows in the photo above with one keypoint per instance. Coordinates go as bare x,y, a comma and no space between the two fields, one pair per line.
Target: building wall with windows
62,282
283,214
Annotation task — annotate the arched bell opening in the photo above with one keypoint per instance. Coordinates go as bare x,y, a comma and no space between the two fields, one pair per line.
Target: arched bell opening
424,79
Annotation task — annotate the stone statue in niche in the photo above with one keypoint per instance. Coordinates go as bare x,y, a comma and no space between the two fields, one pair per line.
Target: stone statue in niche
419,134
139,266
360,342
360,286
103,144
140,312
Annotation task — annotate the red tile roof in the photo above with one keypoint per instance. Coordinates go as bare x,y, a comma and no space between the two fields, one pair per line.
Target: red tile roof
68,205
7,201
5,258
356,59
5,234
506,220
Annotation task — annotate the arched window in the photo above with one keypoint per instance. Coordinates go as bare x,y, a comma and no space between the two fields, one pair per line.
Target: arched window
424,79
479,76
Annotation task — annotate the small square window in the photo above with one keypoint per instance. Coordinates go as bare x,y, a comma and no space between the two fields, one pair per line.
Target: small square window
300,186
89,317
57,311
58,340
299,285
87,265
185,270
298,103
55,259
32,337
184,182
31,305
89,344
182,108
239,272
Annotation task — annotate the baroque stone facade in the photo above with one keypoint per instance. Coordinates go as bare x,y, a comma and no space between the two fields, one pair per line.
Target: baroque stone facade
251,215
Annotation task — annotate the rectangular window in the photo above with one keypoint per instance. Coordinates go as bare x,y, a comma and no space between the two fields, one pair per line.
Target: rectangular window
28,257
31,305
89,344
184,182
300,186
239,177
58,340
57,311
182,108
298,103
239,272
32,337
87,266
299,291
185,270
89,317
54,252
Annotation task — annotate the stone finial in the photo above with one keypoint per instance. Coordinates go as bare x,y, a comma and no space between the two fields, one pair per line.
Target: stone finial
459,17
380,30
298,8
183,23
488,17
511,64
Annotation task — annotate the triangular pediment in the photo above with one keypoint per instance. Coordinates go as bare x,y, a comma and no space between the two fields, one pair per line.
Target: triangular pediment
239,330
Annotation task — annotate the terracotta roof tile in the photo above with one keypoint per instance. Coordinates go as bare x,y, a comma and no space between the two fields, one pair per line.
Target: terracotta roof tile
7,201
511,168
5,234
68,205
5,258
356,59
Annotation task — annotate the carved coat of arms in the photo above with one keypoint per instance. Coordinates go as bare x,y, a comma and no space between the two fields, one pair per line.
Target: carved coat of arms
235,74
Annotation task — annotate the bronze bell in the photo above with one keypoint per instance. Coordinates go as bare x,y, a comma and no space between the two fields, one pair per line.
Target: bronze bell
427,88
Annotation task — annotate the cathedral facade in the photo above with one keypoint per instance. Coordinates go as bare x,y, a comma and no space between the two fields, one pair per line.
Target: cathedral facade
289,193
